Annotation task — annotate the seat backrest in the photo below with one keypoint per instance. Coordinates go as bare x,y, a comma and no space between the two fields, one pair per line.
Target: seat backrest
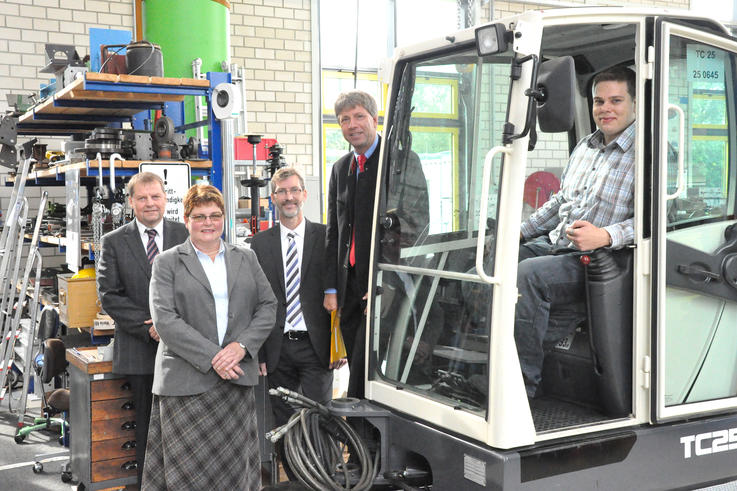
55,362
48,323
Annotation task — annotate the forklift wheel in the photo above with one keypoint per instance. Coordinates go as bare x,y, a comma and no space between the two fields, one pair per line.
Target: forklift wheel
38,468
19,438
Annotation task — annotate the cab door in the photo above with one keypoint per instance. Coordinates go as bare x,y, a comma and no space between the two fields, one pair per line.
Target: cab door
694,253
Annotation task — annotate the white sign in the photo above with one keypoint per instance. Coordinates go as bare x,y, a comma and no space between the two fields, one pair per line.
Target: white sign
177,180
704,63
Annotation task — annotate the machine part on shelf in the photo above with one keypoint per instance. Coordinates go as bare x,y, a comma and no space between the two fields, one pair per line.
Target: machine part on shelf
34,257
142,146
144,58
113,158
63,61
21,102
117,209
254,184
276,160
99,215
38,152
167,151
8,137
163,129
189,151
104,142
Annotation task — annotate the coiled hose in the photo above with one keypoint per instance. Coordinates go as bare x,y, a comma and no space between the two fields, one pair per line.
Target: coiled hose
314,441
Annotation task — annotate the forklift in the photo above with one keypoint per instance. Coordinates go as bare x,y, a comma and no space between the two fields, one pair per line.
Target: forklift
644,394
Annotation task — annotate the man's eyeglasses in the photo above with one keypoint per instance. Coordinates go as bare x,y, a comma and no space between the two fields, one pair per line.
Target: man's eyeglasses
215,217
281,192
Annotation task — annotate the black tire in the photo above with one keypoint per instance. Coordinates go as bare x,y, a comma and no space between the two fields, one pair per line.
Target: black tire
19,438
66,477
38,468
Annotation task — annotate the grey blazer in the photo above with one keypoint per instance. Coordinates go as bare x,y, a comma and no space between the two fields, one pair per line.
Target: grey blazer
123,274
183,311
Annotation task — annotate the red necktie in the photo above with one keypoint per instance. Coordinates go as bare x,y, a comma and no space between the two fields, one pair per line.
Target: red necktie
352,255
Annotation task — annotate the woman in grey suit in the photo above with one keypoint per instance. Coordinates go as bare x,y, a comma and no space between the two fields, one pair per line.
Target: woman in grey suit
213,308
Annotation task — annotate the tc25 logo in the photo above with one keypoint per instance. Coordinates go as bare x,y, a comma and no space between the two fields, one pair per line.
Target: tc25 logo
709,443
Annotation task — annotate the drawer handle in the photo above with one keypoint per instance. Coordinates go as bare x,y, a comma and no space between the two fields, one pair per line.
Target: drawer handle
128,425
128,445
128,406
130,465
126,386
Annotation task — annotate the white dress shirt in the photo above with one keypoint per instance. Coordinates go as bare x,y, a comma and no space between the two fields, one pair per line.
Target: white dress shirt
159,239
217,275
299,239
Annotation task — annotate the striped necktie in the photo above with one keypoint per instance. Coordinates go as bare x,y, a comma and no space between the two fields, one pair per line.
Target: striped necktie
294,307
152,250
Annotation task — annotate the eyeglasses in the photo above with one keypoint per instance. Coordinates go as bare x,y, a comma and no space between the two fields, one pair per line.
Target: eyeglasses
281,192
215,217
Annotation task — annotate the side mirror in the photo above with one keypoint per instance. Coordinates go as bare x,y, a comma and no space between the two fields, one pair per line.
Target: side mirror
556,84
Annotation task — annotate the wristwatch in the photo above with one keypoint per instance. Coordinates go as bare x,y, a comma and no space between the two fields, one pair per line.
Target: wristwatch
243,346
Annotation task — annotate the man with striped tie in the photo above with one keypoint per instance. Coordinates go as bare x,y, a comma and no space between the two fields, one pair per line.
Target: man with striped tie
123,275
296,354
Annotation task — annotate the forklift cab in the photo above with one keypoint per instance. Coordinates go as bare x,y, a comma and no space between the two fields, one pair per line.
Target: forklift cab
464,129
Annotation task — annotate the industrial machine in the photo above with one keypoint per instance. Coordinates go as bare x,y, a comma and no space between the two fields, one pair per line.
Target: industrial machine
644,394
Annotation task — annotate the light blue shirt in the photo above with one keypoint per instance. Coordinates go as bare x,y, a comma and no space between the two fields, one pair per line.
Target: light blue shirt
217,275
368,153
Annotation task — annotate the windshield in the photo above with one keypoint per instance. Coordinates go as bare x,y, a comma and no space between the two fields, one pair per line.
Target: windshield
431,333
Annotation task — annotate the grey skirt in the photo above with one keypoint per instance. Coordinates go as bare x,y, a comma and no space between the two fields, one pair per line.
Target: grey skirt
205,441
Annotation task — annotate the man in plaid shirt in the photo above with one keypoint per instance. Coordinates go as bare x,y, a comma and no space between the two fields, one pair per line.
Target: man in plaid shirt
594,208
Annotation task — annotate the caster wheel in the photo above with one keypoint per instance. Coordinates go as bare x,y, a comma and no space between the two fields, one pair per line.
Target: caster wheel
19,438
38,468
66,477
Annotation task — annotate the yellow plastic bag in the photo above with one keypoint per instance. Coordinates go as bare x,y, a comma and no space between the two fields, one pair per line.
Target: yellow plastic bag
337,346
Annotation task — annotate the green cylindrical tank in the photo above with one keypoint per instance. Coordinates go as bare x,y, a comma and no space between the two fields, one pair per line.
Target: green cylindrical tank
185,30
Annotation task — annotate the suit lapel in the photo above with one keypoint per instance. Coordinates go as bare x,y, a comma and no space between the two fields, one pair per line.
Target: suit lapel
192,263
307,246
233,264
276,262
135,245
169,239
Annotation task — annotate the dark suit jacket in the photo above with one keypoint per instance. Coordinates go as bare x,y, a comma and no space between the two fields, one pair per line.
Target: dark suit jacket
267,246
184,314
123,275
350,201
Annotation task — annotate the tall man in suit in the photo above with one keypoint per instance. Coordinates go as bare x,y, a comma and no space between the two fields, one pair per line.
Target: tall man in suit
348,242
296,354
123,275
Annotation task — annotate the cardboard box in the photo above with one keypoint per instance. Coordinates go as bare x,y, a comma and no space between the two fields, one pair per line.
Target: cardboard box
77,301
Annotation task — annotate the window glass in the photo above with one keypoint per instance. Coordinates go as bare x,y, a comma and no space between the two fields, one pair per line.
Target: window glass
701,290
433,331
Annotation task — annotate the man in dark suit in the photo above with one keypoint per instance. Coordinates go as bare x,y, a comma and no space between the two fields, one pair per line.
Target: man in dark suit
123,275
296,354
348,242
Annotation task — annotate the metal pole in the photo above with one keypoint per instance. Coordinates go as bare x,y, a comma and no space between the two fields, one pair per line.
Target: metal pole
229,193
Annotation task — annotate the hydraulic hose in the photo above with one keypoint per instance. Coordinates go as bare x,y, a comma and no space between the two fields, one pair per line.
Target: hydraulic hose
314,442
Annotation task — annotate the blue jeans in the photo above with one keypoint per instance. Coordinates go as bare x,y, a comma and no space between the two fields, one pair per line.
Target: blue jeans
551,303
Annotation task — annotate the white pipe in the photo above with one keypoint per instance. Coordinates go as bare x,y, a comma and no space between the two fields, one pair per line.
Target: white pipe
113,157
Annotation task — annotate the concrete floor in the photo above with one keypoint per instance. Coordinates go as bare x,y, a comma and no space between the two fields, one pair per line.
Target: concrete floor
16,460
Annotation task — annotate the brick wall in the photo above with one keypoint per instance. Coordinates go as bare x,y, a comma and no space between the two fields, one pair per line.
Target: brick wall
272,40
